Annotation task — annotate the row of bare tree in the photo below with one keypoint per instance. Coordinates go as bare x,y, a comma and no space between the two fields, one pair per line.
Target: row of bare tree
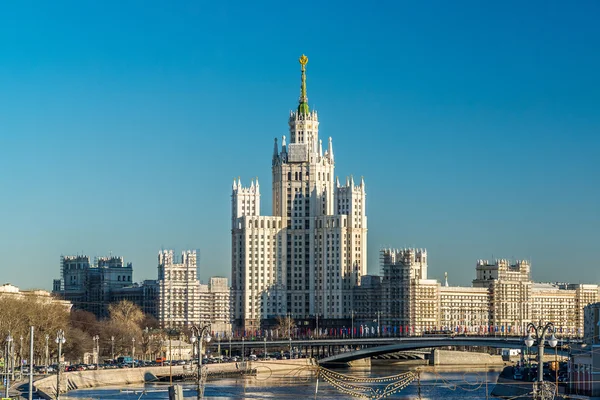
126,327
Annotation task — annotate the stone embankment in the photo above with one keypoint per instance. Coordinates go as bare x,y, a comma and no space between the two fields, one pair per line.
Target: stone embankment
463,358
46,387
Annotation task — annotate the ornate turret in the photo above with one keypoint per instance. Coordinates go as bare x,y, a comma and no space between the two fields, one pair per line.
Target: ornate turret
303,106
275,152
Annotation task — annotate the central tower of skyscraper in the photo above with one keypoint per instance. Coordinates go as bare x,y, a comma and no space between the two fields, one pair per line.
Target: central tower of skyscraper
306,258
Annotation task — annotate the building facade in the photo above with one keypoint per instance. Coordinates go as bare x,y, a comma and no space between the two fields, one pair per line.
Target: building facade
178,290
585,364
411,301
306,258
509,287
464,309
144,294
591,329
215,305
89,286
38,295
367,300
503,299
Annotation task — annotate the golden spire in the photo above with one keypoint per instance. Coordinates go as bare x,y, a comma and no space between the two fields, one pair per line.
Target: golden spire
303,106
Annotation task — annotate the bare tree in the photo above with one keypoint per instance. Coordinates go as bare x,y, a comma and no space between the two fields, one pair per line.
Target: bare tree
18,313
285,325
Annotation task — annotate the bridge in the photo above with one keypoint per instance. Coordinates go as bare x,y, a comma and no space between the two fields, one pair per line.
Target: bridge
420,343
344,350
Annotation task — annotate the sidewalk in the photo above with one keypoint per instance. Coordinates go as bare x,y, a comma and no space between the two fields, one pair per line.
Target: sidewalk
19,389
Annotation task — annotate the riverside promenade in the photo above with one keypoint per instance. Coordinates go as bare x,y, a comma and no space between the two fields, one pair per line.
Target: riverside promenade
46,387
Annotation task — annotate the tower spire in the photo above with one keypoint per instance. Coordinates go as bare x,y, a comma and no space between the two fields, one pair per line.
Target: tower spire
303,106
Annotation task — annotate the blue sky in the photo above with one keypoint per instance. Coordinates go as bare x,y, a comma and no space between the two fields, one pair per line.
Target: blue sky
475,125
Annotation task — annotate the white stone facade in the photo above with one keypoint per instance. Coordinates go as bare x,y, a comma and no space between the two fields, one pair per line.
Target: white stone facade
215,305
410,300
305,259
178,290
503,298
464,309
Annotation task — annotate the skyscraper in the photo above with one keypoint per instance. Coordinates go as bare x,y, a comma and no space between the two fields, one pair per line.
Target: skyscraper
305,259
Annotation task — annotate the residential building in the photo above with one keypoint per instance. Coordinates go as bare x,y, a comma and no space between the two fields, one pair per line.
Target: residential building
411,301
591,329
584,363
144,294
89,286
215,305
220,304
550,302
509,287
306,258
367,301
503,298
8,290
178,290
464,309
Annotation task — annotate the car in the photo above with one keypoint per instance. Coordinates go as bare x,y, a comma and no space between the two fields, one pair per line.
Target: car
518,376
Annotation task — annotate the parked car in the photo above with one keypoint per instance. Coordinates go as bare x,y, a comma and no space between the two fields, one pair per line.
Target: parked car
518,376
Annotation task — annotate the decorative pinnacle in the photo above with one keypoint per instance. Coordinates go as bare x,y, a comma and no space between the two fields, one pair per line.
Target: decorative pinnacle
303,106
303,61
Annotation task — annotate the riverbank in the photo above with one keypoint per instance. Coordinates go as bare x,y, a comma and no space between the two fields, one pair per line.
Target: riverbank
46,387
464,358
508,388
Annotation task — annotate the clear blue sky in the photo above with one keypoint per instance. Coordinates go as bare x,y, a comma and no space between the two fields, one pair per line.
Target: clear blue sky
475,125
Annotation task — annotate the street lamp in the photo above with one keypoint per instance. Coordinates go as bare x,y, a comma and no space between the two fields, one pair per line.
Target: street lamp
243,352
540,332
219,346
112,347
10,367
290,332
47,354
97,348
60,340
265,353
352,331
21,358
199,336
132,352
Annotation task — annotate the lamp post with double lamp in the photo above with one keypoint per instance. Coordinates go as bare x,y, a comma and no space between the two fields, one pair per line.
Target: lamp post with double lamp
540,332
60,340
9,362
198,335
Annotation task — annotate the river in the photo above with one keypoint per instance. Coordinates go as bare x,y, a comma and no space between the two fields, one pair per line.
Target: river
431,384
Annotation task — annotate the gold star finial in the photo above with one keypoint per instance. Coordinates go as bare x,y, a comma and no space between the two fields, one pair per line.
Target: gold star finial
303,60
